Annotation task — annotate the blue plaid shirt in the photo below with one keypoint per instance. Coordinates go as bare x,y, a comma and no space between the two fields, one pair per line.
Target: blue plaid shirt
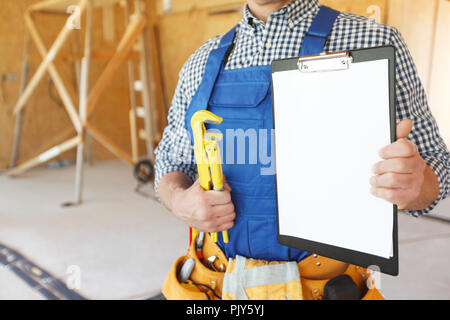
258,43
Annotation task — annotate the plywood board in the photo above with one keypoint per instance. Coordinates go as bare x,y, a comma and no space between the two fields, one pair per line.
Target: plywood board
375,9
61,6
440,72
177,44
369,8
177,6
416,20
44,118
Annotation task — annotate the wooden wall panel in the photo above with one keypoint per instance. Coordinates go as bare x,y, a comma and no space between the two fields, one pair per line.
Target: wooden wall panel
416,20
361,7
45,121
425,25
375,9
439,96
177,6
44,118
112,111
178,43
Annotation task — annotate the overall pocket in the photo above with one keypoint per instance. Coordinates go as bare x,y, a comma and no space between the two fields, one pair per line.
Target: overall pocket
243,107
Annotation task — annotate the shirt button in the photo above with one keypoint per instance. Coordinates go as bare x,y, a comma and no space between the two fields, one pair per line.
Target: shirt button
291,24
268,44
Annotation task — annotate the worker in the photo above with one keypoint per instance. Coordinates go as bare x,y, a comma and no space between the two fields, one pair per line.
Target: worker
413,172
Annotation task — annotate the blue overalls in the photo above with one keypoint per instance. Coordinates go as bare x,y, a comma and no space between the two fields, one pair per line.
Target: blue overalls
243,98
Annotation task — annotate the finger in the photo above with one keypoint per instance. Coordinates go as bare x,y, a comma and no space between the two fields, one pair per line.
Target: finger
218,224
402,148
223,224
394,196
396,165
223,209
404,128
217,197
226,218
392,180
222,227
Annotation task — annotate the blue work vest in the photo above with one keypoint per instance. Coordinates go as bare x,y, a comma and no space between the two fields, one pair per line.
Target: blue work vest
243,98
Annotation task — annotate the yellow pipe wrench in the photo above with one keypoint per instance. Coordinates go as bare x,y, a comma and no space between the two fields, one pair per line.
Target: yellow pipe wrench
207,156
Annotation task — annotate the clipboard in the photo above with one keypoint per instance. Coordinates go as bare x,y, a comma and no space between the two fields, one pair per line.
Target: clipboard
331,114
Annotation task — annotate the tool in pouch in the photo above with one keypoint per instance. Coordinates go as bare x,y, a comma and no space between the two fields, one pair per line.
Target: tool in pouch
207,157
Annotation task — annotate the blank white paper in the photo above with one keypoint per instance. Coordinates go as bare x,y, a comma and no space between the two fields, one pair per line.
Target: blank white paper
329,127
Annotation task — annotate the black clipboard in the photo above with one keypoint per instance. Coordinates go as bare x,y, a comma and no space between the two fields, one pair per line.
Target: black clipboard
324,63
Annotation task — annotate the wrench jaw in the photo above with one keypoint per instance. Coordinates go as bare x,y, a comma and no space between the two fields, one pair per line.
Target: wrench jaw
213,121
202,117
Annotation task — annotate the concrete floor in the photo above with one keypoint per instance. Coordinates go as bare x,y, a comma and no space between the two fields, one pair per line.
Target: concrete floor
124,243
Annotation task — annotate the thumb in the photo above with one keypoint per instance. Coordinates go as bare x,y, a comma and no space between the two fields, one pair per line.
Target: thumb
404,127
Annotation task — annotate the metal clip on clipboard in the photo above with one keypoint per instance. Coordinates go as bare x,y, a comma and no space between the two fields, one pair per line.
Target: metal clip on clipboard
325,62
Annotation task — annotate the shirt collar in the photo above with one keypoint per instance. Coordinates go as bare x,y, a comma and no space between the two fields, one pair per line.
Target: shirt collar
294,12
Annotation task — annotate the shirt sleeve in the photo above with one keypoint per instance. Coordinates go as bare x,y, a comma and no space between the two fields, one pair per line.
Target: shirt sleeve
412,104
174,152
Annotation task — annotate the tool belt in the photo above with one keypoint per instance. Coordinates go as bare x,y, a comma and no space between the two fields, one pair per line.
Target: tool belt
206,280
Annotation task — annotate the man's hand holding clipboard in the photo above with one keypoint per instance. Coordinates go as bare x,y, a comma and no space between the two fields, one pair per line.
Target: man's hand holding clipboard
403,178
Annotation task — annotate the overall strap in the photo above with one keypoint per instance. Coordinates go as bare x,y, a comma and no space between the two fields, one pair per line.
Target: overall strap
317,35
216,61
213,66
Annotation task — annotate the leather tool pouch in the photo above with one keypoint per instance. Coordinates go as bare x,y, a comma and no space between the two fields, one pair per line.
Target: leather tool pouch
206,283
